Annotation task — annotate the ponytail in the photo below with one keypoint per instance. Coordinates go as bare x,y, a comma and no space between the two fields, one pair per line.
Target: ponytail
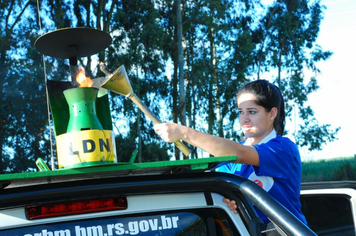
279,121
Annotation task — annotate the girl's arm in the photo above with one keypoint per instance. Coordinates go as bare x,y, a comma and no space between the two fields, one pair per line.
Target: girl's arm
217,146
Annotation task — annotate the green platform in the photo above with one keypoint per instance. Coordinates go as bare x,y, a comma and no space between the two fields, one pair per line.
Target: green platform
110,170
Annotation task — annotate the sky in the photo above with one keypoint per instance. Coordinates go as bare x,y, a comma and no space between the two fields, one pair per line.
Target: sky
334,102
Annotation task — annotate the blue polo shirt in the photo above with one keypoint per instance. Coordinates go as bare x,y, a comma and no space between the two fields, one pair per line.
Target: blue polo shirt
279,173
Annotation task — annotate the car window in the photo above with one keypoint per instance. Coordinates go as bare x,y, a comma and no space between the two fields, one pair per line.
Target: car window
328,214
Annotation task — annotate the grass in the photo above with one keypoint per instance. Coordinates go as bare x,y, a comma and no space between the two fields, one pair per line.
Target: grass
342,168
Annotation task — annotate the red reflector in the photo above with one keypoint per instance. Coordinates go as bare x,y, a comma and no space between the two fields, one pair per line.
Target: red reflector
72,208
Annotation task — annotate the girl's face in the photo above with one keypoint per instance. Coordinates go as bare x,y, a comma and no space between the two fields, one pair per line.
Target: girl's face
255,121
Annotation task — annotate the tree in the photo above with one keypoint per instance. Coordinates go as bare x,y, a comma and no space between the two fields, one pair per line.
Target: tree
181,81
138,45
286,36
209,30
19,135
224,44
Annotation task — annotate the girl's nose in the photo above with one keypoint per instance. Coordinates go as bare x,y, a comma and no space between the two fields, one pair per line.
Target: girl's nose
244,118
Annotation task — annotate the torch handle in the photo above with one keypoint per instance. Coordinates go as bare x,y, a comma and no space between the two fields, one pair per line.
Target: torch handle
155,120
144,108
182,148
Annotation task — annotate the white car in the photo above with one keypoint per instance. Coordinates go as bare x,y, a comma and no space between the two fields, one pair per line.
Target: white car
137,199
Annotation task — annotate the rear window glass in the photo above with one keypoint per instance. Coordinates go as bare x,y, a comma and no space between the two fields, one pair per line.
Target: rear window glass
176,223
328,214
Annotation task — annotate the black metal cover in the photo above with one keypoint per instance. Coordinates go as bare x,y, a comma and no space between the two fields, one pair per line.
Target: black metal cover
70,43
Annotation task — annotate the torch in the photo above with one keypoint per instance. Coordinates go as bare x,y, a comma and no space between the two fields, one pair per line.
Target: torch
118,82
86,142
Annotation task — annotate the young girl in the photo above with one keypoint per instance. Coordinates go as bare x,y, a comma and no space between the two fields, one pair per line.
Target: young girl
266,158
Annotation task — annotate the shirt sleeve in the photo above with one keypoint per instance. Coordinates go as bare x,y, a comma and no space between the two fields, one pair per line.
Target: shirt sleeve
279,158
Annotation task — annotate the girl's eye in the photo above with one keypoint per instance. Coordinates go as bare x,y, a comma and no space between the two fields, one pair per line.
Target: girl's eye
252,112
241,112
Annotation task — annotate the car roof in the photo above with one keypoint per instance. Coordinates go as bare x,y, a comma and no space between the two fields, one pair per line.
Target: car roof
107,170
328,185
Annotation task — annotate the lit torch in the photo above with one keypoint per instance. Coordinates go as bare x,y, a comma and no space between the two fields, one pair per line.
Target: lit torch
81,103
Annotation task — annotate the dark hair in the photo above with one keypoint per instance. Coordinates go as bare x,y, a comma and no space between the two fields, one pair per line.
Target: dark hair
268,96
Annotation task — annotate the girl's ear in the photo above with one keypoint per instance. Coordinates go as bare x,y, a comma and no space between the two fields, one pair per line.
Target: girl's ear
273,113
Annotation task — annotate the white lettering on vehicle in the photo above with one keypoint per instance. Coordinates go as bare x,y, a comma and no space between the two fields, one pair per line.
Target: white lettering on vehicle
115,229
89,231
44,232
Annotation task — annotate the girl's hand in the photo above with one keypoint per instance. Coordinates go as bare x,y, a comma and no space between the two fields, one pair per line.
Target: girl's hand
231,204
169,132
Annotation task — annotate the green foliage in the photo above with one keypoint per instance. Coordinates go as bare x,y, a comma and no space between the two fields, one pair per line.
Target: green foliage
343,168
288,33
23,117
314,135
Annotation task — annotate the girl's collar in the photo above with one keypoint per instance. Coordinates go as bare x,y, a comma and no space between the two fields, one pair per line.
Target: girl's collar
270,136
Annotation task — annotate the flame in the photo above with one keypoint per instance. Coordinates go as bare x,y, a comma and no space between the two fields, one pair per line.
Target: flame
82,80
